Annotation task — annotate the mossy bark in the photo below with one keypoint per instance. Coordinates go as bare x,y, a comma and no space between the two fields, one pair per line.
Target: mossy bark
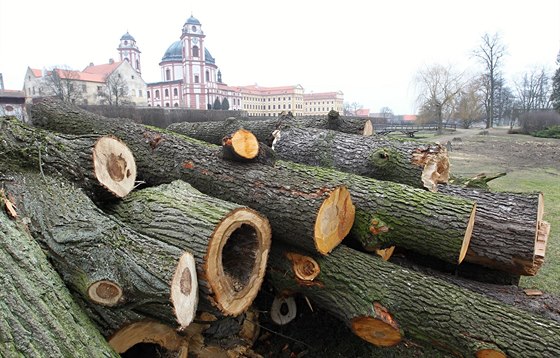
354,285
50,153
417,164
39,317
87,246
230,266
214,132
506,229
387,213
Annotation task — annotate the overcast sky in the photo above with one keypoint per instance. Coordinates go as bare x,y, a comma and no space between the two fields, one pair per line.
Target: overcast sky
370,50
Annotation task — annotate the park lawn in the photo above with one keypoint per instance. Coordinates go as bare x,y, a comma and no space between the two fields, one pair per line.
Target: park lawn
548,182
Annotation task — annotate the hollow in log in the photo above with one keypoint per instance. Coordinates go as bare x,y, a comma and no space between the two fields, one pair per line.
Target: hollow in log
230,242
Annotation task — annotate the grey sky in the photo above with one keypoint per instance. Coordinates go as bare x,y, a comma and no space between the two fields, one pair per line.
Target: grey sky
370,50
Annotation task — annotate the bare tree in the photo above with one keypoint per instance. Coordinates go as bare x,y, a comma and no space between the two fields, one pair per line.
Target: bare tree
490,53
115,91
470,107
350,109
387,113
63,83
534,90
438,87
555,95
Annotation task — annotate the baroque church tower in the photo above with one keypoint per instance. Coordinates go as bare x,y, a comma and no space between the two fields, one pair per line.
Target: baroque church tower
199,67
128,51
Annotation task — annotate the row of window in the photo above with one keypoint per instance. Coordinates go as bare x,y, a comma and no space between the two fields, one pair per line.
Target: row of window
261,99
254,106
166,93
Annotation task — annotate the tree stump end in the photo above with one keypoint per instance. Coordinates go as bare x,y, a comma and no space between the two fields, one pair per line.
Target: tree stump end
334,220
114,166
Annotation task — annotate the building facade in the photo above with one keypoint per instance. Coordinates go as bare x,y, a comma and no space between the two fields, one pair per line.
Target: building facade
191,79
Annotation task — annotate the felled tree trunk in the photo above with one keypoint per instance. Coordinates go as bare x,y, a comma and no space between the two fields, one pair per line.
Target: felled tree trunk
241,145
101,258
39,317
295,198
413,163
103,166
230,243
264,130
509,233
382,303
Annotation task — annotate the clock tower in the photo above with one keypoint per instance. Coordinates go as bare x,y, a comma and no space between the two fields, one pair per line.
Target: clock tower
128,51
199,68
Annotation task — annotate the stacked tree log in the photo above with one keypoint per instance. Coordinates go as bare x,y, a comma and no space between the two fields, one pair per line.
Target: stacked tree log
134,262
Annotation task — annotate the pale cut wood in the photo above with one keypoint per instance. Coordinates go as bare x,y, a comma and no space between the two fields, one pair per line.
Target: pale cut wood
243,144
380,330
184,290
114,165
334,220
283,310
368,129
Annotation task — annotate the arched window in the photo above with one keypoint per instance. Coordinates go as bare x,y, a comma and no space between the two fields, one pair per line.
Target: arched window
166,104
195,51
148,94
175,92
207,76
137,64
157,93
167,75
196,79
167,93
176,104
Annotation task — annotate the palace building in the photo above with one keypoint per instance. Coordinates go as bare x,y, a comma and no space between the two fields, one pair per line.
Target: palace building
190,78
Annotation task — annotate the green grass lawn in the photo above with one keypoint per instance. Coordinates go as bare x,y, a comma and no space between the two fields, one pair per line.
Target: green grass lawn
522,176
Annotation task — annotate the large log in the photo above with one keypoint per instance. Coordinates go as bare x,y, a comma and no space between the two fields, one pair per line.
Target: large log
382,303
99,257
214,132
422,165
287,193
230,242
103,166
311,215
509,233
38,316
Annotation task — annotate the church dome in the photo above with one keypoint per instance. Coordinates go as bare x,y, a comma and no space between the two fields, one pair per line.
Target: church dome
174,52
128,37
192,21
208,57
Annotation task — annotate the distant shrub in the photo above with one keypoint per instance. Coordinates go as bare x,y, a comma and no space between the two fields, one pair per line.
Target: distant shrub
539,120
551,132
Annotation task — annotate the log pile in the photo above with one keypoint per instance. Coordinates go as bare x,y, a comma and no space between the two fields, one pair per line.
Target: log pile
164,240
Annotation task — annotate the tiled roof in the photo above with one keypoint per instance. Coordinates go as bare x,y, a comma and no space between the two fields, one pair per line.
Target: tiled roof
104,69
12,94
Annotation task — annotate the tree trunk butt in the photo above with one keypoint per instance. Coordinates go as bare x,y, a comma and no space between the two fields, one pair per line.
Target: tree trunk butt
242,145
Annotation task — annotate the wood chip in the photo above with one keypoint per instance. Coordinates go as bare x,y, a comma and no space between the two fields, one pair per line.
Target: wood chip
532,292
10,208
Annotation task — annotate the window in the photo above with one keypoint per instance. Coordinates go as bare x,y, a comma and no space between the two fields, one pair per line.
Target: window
137,64
133,93
139,93
175,92
195,51
148,94
84,89
207,76
167,93
157,94
176,104
132,77
166,104
167,75
196,79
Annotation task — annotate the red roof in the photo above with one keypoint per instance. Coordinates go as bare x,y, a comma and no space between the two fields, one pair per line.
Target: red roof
104,69
320,95
89,74
409,117
362,112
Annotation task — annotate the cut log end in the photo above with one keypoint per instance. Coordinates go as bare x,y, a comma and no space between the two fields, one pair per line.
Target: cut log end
241,145
334,220
543,232
468,235
376,331
490,353
184,290
283,310
148,332
114,166
236,259
305,268
105,292
368,129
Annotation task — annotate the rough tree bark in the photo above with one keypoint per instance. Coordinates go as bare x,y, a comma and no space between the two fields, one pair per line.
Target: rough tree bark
104,167
422,165
383,302
509,233
213,132
101,258
230,243
389,214
39,317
